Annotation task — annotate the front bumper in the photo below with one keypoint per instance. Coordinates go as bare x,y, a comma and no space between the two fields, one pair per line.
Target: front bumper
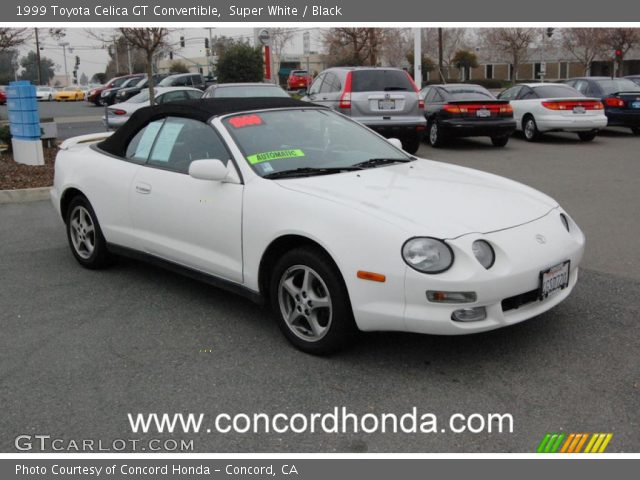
576,123
478,127
520,258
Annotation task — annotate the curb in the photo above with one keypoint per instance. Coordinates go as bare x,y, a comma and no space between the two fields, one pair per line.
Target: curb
24,195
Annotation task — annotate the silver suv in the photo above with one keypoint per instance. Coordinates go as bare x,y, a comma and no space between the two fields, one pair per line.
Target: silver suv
384,99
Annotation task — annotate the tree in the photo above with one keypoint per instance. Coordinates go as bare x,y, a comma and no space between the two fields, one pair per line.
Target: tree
623,39
150,41
395,42
30,68
280,37
12,37
428,65
583,44
178,66
240,63
84,80
443,43
465,60
8,66
513,42
353,46
99,77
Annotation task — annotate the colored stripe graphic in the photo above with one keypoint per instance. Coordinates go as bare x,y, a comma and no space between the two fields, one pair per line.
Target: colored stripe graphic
573,442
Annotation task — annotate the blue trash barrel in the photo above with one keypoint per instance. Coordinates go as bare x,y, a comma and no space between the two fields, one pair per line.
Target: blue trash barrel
22,105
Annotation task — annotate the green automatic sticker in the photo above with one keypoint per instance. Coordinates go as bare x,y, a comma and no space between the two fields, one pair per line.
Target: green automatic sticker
274,155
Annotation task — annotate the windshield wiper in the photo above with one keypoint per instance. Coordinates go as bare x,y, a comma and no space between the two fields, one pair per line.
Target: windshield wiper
374,162
308,171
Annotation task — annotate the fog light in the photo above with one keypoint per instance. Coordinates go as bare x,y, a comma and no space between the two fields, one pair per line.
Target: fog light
474,314
451,297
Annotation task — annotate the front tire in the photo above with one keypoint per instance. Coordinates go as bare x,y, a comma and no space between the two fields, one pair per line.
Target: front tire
85,236
310,300
434,134
587,136
530,129
500,141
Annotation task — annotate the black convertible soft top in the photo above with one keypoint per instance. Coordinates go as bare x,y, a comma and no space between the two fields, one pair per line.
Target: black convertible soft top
202,110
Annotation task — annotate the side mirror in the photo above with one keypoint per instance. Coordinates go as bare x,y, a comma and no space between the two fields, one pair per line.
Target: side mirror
210,169
395,142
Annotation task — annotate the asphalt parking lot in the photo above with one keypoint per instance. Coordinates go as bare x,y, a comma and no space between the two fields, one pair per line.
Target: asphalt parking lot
80,349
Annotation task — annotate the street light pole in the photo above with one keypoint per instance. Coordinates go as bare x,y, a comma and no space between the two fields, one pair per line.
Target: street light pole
38,57
64,55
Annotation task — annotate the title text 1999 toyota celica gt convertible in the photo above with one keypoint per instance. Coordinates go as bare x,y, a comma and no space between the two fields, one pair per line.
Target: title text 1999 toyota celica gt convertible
332,225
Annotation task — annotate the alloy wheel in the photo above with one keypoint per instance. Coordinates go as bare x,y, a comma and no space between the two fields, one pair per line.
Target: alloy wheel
305,303
82,230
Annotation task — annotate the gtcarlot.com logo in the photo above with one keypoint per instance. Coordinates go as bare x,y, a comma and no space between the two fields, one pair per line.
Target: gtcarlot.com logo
574,443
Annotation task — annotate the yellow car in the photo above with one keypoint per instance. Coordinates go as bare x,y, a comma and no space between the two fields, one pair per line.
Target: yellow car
69,94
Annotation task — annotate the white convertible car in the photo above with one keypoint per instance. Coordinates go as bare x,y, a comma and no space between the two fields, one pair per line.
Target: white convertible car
334,226
554,107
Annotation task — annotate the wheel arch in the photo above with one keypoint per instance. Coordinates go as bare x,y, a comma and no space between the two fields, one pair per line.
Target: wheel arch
65,200
278,247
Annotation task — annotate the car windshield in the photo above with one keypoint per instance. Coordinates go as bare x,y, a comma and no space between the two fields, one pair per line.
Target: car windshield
611,86
380,81
167,81
299,72
317,140
118,82
557,91
249,91
44,89
468,93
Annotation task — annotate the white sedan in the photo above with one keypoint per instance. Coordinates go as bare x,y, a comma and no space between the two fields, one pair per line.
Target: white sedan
119,113
554,107
332,225
44,93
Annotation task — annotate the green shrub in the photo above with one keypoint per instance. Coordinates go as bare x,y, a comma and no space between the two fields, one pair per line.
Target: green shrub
5,137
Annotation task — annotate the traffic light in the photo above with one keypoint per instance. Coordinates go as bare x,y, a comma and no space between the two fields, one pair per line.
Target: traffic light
617,54
550,32
181,42
170,55
77,61
206,43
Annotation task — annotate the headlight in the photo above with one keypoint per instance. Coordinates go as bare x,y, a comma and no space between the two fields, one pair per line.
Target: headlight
565,221
427,255
484,253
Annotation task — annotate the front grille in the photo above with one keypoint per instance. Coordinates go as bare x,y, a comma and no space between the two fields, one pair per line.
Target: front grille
517,301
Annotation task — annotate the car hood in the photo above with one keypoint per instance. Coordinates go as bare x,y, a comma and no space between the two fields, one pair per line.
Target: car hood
430,198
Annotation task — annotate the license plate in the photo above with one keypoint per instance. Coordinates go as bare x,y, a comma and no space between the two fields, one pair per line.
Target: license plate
554,279
483,112
579,109
386,104
635,105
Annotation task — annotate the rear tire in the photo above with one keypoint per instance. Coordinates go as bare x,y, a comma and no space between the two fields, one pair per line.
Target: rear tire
85,236
411,143
635,130
311,303
587,136
530,129
434,134
500,141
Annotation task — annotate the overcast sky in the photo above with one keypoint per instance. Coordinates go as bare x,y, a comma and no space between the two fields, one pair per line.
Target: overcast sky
93,54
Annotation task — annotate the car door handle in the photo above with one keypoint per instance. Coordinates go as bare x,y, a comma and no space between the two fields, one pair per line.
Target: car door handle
143,188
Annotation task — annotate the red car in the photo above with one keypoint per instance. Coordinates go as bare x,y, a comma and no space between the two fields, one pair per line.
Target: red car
94,95
298,80
3,96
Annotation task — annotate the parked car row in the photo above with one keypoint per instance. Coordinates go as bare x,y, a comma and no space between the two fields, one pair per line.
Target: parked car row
386,100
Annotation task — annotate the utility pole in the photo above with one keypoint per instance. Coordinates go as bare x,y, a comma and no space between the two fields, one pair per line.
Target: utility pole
210,59
417,57
115,46
440,55
64,55
38,57
129,58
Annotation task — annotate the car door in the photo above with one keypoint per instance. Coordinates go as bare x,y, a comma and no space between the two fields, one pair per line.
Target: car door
528,102
432,102
329,94
194,223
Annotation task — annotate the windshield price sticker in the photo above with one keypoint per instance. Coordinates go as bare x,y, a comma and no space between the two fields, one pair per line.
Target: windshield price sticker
245,121
274,155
